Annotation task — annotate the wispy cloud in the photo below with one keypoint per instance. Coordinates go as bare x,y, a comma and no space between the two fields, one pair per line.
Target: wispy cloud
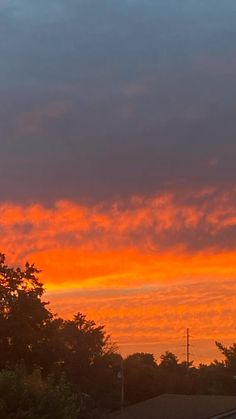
156,319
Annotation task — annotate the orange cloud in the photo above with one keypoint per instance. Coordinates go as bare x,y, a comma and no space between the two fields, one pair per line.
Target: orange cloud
155,318
133,241
73,268
160,264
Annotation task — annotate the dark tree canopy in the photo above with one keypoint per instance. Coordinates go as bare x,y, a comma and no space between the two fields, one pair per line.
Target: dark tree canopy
141,377
31,335
229,354
169,361
31,396
23,315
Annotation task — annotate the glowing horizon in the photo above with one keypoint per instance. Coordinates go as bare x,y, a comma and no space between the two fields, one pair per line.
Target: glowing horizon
135,263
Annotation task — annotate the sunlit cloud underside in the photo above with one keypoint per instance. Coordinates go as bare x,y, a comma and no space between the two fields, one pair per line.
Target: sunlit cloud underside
147,268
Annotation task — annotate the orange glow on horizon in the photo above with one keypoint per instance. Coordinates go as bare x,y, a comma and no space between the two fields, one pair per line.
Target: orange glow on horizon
70,269
169,260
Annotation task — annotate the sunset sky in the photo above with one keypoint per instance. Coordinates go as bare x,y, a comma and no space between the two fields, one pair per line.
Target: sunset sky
118,163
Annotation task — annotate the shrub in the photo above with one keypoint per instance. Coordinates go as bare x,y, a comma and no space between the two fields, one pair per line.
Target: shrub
29,396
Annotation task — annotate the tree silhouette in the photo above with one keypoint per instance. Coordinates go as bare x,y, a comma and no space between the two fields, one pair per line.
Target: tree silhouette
141,377
169,361
229,354
23,315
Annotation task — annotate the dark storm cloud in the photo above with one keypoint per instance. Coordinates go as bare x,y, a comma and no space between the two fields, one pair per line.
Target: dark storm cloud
104,98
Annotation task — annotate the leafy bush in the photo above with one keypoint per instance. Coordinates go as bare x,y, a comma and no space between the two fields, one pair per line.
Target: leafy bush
24,396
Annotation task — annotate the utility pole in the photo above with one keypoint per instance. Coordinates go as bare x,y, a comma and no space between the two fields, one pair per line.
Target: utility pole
187,348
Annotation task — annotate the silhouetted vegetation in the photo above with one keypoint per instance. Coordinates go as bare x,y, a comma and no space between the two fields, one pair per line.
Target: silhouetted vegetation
68,369
30,396
32,336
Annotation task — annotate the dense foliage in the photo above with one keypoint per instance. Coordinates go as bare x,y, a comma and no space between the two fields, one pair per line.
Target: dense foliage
30,396
32,336
144,378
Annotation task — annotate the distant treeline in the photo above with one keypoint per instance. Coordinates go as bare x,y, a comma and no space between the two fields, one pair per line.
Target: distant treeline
53,368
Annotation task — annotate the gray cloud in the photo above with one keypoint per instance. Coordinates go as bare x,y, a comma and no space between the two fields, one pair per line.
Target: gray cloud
101,98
